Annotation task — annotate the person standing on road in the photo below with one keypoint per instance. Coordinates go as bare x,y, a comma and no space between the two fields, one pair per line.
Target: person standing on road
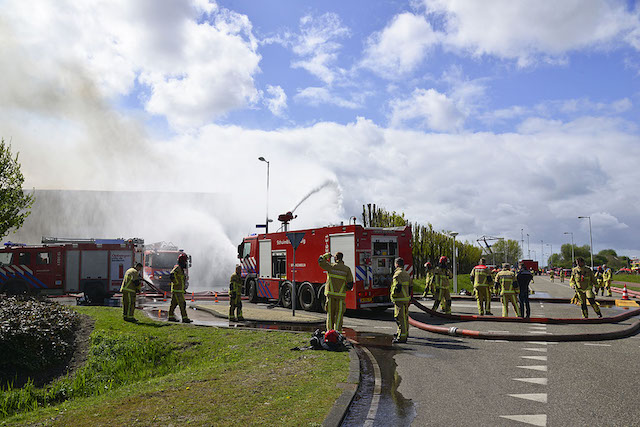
552,275
339,280
599,282
178,280
400,297
440,281
428,285
482,280
129,288
606,277
561,275
582,280
524,278
235,295
506,279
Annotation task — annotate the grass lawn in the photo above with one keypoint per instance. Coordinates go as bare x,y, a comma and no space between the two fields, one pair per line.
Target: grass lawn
463,283
156,373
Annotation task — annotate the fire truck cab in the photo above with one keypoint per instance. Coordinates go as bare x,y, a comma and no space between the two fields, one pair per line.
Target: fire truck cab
267,264
159,260
93,266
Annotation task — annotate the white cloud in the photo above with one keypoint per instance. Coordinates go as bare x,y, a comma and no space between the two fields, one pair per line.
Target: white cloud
433,110
528,30
400,47
278,101
320,95
197,60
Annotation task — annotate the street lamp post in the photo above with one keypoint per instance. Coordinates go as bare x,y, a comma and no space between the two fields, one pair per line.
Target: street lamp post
572,255
455,272
521,242
528,250
590,237
266,221
541,252
551,254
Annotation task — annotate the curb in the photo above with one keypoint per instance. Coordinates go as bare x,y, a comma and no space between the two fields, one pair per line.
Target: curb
341,405
279,322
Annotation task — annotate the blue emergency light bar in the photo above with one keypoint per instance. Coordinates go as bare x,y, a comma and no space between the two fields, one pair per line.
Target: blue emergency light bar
9,244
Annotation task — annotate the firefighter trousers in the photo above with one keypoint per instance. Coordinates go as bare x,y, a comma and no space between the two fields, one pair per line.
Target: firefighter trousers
335,312
177,300
483,297
443,297
235,306
128,305
607,287
509,299
588,296
401,314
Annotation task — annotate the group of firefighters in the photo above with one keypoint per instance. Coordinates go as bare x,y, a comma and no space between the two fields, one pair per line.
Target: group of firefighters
603,276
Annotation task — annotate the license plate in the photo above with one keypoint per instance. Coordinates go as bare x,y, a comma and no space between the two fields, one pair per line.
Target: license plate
366,299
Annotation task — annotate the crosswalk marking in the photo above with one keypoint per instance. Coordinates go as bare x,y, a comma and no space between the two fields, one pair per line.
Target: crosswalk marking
544,350
597,345
535,420
542,358
541,381
534,367
536,397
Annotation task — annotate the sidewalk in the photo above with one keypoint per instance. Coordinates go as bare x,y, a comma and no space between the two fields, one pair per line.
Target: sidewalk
261,313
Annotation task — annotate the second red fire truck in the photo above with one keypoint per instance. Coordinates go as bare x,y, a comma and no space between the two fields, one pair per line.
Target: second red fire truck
267,264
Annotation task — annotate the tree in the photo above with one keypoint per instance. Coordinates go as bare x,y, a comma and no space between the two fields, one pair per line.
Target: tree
14,202
506,250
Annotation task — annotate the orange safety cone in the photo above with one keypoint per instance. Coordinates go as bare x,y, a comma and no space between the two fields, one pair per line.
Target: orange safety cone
216,297
165,297
192,297
625,294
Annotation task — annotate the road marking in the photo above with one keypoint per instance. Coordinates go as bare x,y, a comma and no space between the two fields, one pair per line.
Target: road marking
542,358
377,389
541,342
497,341
503,332
535,420
540,332
543,350
534,367
536,397
383,327
597,345
541,381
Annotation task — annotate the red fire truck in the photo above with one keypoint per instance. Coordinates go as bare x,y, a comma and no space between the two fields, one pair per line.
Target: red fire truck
159,260
267,264
531,265
93,266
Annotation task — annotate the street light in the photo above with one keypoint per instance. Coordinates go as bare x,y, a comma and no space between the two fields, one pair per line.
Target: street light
572,256
528,250
541,252
455,276
551,254
521,242
266,221
590,237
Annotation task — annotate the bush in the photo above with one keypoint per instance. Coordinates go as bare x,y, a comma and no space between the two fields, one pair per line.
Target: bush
34,335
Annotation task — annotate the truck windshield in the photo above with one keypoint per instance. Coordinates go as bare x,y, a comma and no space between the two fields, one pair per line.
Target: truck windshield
164,259
5,258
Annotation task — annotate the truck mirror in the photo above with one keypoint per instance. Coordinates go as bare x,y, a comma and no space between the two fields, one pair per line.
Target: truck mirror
240,247
190,262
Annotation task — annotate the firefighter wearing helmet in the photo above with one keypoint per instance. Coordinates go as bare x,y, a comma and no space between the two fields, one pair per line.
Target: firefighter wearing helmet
428,286
599,281
440,282
339,280
582,280
235,295
178,280
401,296
130,286
506,280
482,280
606,277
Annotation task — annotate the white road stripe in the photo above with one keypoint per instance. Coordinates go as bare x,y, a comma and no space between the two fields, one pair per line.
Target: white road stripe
383,327
497,341
535,420
597,345
541,342
541,381
542,368
502,332
542,350
536,397
541,358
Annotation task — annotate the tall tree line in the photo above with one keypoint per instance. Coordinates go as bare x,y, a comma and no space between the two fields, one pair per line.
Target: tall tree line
427,243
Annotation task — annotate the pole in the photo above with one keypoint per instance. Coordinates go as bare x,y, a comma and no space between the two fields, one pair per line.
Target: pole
528,250
266,221
293,286
455,272
573,257
590,238
541,252
521,241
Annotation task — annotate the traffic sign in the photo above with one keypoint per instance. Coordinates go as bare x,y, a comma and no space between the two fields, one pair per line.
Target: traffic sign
295,238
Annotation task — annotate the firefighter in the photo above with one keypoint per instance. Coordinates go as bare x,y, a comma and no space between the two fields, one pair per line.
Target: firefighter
524,278
339,280
561,275
606,277
505,279
428,286
440,282
481,279
599,285
582,279
235,295
552,274
401,296
129,288
178,280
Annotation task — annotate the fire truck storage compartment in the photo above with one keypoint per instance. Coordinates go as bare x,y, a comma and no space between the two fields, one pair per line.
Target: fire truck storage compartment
72,275
265,258
385,250
344,243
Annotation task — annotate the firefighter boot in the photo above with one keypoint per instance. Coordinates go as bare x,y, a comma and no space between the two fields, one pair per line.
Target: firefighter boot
447,306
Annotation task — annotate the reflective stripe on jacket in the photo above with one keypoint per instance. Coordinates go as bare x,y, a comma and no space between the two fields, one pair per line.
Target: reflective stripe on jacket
506,278
130,276
401,286
338,275
582,278
481,276
441,277
235,284
177,279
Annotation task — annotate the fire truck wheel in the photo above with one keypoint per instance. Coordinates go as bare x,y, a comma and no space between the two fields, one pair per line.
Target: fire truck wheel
252,290
95,293
322,299
286,294
307,296
15,287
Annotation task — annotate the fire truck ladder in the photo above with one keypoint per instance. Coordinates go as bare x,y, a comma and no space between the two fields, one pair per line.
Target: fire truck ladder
486,249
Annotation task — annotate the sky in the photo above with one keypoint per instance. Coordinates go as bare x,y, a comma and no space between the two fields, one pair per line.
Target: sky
495,118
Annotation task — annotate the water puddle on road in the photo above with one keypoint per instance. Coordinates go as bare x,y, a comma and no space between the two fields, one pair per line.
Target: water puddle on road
372,407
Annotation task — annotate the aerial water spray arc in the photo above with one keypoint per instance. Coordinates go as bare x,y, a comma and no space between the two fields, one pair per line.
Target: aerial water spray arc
328,183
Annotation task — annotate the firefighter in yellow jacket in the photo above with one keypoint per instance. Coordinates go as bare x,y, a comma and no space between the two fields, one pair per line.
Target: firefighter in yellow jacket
178,280
339,280
129,288
506,279
428,283
400,297
235,295
606,277
582,280
599,281
440,281
482,281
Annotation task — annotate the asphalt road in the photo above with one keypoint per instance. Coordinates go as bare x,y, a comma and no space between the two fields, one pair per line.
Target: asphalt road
445,381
